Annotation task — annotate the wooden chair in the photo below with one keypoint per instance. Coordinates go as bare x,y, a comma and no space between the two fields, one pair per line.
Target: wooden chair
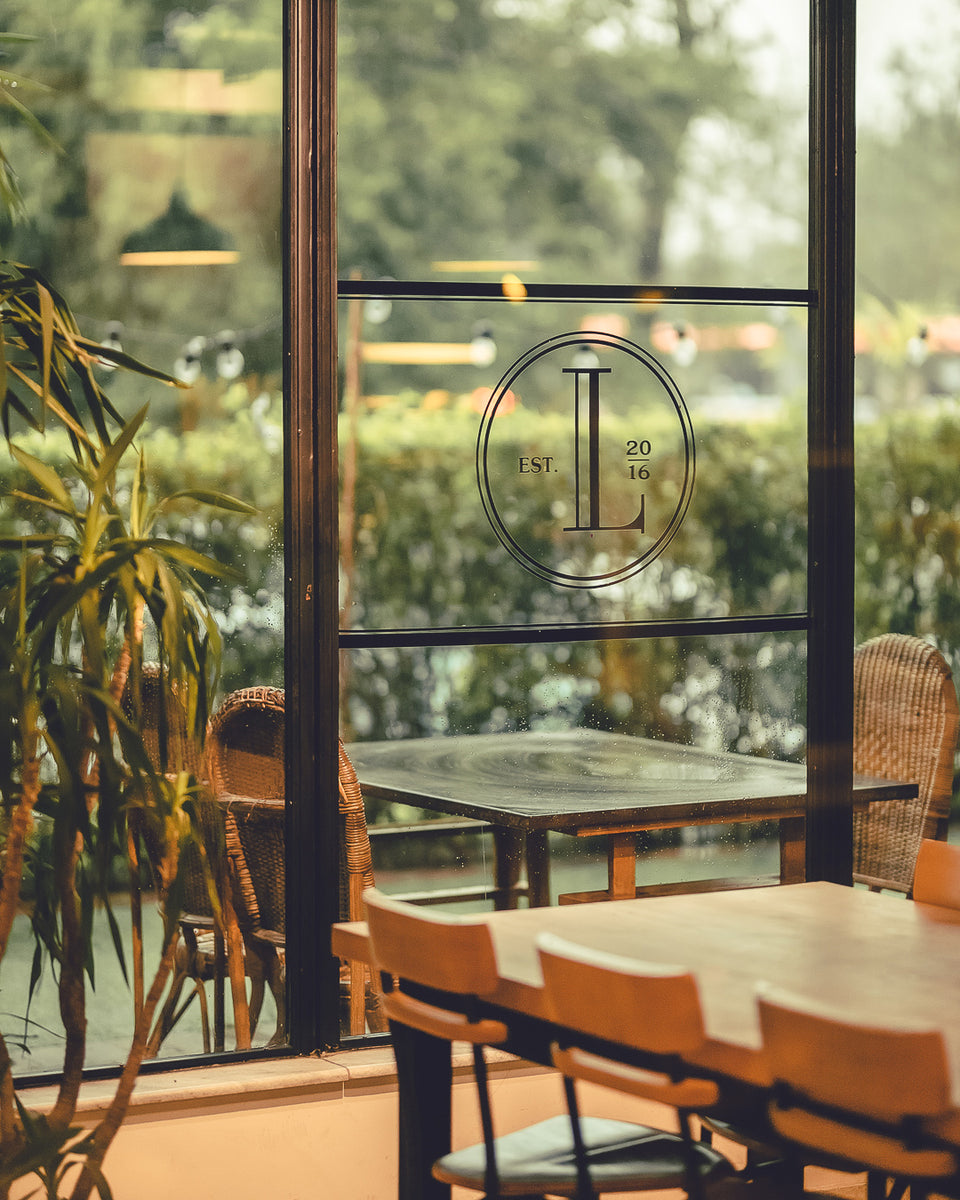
245,758
854,1097
612,1003
905,727
936,879
453,956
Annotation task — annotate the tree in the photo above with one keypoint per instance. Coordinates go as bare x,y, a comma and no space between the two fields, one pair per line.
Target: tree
908,180
535,131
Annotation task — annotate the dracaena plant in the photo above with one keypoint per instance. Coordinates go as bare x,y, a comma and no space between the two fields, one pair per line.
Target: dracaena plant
79,592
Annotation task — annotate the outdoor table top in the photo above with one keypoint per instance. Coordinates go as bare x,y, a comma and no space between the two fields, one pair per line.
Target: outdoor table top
586,779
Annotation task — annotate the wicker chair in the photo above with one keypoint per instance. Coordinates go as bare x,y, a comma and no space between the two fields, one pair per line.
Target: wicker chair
201,955
245,757
905,727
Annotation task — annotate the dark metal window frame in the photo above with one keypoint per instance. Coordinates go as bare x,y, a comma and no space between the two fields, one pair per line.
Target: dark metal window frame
313,644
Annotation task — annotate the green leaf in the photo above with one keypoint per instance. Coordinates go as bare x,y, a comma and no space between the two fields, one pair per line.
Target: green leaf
48,479
96,350
194,559
215,499
117,940
30,541
46,325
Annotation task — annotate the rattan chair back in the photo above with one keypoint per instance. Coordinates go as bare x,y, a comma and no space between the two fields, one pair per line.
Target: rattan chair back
171,743
245,760
245,745
905,727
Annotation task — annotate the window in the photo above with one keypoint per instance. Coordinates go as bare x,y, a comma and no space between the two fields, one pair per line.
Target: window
583,361
528,194
156,210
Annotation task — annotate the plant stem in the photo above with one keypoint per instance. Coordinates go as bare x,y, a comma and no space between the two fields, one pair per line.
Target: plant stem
73,999
21,823
108,1127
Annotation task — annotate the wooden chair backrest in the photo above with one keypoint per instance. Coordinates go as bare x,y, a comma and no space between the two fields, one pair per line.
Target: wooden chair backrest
882,1074
646,1006
652,1007
905,727
936,879
440,950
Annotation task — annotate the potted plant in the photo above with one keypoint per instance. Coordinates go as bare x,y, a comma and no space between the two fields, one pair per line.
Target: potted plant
77,592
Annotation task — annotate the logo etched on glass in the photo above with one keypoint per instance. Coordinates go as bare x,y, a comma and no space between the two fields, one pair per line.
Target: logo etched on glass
585,467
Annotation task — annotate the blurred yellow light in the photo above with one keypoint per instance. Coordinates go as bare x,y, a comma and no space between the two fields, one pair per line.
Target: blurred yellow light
486,264
177,258
513,288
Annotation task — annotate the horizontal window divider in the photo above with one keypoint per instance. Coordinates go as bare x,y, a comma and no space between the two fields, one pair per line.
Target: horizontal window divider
515,635
558,293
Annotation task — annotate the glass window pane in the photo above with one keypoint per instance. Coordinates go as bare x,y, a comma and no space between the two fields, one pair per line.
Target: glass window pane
479,493
630,707
566,141
155,210
515,457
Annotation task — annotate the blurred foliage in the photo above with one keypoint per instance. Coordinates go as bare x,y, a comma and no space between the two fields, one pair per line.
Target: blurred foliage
421,558
235,449
556,132
424,556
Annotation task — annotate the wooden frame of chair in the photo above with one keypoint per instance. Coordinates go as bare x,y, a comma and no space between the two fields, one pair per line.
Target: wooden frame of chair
936,877
603,1002
855,1096
435,968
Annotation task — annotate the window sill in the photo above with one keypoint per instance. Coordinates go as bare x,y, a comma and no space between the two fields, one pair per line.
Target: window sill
334,1076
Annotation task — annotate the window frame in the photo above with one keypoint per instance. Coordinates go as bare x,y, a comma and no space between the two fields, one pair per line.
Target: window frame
311,488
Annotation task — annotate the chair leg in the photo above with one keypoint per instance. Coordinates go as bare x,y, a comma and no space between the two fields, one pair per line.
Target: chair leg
219,993
254,960
357,976
376,1021
257,989
276,981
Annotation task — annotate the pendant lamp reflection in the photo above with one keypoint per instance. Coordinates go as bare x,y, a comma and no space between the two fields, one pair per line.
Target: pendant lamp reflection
177,238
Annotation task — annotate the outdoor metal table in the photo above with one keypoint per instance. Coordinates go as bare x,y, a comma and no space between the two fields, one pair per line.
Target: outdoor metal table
590,783
887,959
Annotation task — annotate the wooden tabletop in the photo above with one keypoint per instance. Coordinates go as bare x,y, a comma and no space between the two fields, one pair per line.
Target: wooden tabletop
580,778
882,957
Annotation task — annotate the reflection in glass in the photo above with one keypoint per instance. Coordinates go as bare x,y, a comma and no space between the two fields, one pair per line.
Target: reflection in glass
159,220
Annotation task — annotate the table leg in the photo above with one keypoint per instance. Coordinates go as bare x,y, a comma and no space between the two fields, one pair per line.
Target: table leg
793,853
622,866
424,1080
508,851
538,869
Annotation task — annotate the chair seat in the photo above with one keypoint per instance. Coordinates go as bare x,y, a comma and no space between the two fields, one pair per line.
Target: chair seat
623,1157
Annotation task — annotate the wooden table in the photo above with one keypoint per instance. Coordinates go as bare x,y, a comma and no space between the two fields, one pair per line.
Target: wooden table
590,783
883,957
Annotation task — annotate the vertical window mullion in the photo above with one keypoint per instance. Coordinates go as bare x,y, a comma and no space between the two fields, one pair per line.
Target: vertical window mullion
829,835
312,858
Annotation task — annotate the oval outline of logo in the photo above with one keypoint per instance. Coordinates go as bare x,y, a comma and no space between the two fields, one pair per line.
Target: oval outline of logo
579,338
